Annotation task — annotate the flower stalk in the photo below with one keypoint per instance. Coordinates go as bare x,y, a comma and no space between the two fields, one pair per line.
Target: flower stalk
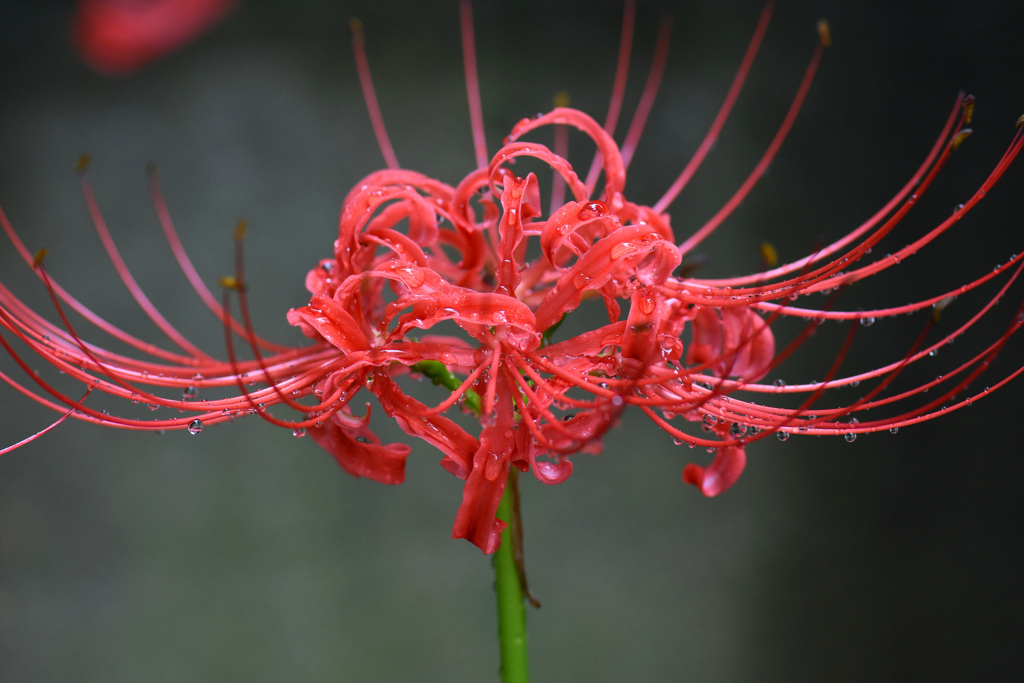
511,588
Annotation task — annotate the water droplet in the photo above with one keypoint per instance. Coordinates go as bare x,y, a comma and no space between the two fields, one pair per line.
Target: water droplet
493,467
850,437
737,430
621,249
781,435
709,422
195,426
894,430
591,210
933,353
189,393
867,321
780,383
581,280
299,432
617,400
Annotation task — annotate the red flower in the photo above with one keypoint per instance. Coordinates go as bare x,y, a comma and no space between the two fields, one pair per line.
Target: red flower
467,285
116,37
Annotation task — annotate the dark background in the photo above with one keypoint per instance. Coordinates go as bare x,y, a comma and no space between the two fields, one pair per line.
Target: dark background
245,554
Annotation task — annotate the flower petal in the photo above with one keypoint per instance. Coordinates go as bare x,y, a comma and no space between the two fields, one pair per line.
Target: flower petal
720,474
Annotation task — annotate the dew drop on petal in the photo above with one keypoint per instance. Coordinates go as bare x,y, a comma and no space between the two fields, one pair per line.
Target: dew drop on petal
195,426
492,467
581,280
621,249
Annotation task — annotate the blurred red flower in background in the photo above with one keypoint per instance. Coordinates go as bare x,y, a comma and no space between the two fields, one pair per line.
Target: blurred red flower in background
116,37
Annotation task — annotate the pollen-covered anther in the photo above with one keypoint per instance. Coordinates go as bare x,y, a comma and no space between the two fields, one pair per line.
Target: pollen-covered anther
824,33
968,109
959,138
230,282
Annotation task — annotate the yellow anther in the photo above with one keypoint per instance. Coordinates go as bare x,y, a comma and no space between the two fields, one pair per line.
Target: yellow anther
355,25
968,109
38,260
561,99
230,282
824,33
769,255
82,163
240,230
960,137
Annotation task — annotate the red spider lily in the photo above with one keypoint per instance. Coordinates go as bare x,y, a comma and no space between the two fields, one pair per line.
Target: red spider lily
467,285
116,37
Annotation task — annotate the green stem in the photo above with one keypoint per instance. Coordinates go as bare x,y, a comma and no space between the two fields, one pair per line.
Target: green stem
508,585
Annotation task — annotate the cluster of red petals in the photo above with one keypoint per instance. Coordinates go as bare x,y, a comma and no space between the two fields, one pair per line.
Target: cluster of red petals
467,284
116,37
413,252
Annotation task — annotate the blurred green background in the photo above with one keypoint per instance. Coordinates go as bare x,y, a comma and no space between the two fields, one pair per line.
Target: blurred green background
245,554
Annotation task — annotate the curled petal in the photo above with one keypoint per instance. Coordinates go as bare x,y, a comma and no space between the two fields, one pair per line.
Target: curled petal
327,317
476,521
360,453
411,416
615,255
733,342
720,474
614,169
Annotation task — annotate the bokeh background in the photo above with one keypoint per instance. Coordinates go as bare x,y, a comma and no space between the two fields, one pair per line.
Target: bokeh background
243,553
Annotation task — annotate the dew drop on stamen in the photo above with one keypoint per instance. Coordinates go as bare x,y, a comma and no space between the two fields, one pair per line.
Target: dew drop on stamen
780,383
189,393
894,430
850,437
299,432
867,321
781,435
737,430
195,426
